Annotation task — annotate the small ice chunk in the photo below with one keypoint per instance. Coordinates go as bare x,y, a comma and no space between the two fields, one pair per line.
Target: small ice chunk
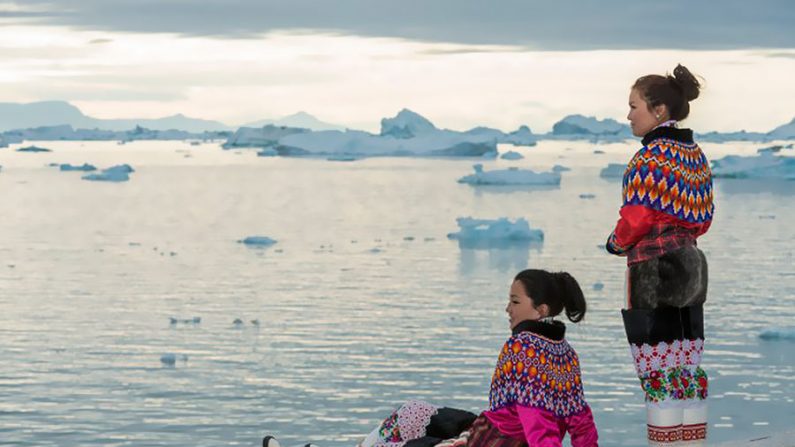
85,167
268,152
598,286
560,168
587,196
512,155
118,173
257,241
510,176
168,359
778,333
613,170
33,149
342,157
598,151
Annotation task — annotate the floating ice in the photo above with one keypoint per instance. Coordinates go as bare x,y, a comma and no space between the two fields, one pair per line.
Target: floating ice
512,155
171,359
501,229
193,320
613,170
267,152
257,241
765,165
780,333
84,167
774,149
579,125
587,196
510,176
560,168
598,286
118,173
342,157
33,149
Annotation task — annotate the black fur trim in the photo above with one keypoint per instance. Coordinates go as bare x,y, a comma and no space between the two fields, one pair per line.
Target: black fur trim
666,324
554,330
671,133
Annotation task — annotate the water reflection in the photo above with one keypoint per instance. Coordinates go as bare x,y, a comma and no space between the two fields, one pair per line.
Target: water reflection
503,256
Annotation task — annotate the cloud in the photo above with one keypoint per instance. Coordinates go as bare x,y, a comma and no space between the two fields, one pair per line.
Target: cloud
567,25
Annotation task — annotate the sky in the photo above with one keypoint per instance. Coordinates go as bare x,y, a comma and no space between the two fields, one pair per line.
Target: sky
460,63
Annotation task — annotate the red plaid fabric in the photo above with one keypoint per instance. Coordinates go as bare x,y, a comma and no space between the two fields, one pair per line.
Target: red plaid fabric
661,239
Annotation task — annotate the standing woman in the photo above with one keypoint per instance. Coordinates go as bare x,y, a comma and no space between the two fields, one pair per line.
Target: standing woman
667,205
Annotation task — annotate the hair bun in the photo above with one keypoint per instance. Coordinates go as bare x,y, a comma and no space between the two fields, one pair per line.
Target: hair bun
686,81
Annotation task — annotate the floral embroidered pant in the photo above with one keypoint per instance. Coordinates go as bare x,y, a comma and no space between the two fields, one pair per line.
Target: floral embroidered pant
667,344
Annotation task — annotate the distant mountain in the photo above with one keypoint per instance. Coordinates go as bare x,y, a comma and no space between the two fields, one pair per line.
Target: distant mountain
56,113
301,120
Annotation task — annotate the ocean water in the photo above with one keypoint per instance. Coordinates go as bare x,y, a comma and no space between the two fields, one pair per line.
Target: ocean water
362,304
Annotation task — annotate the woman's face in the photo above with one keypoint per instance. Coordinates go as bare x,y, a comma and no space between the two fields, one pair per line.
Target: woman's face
521,307
641,119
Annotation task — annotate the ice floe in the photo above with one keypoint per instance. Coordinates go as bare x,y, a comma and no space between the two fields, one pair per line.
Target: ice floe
766,165
512,155
85,167
613,170
510,176
779,333
495,230
118,173
257,241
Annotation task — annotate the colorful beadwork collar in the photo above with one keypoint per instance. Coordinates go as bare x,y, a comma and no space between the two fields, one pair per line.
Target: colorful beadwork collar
553,330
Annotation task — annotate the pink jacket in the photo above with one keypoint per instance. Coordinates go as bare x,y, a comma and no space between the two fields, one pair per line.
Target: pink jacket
541,428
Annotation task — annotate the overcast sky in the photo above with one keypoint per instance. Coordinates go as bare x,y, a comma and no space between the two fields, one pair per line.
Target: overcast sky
352,62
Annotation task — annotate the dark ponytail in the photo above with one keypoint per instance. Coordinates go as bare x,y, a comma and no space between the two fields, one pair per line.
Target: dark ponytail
675,91
559,291
573,299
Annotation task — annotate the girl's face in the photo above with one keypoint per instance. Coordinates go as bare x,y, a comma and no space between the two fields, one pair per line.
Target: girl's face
521,307
641,119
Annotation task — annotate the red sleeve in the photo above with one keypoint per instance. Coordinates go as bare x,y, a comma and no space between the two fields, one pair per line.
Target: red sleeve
541,428
582,430
635,222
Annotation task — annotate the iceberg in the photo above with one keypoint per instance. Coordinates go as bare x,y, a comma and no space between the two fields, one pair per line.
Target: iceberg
774,149
266,136
406,124
579,125
520,137
33,149
512,155
510,176
441,143
784,132
613,170
118,173
495,231
780,333
257,241
85,167
766,165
